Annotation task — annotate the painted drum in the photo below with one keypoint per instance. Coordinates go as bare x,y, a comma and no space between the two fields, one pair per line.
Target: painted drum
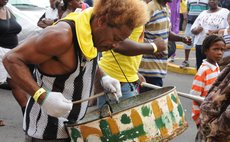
156,115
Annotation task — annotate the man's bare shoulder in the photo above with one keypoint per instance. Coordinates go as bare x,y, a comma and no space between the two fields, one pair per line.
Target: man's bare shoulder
60,32
57,38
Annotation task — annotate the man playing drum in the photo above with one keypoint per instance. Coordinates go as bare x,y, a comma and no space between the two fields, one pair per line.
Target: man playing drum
66,58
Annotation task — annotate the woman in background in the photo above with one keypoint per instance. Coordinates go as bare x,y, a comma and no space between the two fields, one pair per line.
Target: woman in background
207,23
9,29
73,5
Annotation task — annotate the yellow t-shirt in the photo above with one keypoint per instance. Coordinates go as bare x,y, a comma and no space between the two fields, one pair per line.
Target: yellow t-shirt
183,6
129,64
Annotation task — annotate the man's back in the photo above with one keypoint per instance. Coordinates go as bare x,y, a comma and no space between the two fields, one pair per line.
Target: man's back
158,26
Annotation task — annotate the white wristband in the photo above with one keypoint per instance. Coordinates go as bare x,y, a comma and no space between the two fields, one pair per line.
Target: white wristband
154,47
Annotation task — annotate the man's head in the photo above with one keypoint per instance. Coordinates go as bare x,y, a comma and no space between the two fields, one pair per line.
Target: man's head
213,4
114,20
72,4
52,3
3,2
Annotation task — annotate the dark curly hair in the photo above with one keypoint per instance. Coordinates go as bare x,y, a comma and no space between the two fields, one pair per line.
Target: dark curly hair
209,41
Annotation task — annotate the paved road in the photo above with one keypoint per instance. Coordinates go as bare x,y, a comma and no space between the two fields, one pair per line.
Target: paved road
183,83
11,113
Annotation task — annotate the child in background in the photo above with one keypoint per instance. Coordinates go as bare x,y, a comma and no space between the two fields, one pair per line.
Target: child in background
213,47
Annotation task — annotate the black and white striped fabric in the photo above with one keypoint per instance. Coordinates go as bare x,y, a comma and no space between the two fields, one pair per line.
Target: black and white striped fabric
226,36
74,86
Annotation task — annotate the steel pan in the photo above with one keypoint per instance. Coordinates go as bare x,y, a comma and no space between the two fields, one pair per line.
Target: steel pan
156,115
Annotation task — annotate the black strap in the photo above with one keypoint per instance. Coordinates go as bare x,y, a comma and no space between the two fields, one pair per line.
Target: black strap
76,44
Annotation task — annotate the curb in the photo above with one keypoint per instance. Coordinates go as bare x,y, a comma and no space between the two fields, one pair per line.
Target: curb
180,46
176,69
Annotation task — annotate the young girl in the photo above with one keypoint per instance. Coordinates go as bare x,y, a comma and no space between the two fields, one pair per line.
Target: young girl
213,47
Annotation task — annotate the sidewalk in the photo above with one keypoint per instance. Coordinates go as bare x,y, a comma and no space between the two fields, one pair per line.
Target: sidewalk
179,58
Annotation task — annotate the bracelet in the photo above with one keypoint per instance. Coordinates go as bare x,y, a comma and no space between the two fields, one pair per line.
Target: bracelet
154,47
38,93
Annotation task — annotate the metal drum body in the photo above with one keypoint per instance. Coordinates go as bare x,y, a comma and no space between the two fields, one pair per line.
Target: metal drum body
152,116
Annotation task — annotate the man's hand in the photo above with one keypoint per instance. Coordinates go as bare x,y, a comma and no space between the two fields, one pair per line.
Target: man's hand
48,21
111,85
56,105
212,32
160,43
187,40
197,30
141,77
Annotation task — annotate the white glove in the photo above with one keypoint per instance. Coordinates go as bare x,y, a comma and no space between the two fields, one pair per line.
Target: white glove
56,105
111,85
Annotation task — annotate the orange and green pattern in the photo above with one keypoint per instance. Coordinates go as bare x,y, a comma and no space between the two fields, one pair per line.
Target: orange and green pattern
164,116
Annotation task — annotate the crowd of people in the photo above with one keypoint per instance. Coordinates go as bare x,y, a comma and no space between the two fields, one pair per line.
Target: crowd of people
113,46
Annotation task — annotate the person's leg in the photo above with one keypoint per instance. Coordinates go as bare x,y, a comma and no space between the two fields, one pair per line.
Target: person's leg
187,51
19,94
187,48
126,90
199,56
184,21
181,21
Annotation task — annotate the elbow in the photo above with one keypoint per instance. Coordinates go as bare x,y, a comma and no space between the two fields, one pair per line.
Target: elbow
194,32
5,61
8,60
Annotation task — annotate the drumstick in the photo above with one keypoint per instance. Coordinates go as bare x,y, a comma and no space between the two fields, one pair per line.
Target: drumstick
189,96
90,98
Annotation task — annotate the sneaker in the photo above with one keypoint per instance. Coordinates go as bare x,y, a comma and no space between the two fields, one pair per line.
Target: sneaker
171,59
184,64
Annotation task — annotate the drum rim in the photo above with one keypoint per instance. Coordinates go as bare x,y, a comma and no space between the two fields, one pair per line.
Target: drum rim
173,88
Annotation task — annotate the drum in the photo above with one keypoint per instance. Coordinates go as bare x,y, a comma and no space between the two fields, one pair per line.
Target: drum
156,115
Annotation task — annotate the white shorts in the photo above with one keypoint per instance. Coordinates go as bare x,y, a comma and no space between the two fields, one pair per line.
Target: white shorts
3,72
188,33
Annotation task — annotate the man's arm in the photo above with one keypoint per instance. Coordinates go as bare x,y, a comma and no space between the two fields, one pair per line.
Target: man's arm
41,23
176,37
131,48
54,41
196,26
